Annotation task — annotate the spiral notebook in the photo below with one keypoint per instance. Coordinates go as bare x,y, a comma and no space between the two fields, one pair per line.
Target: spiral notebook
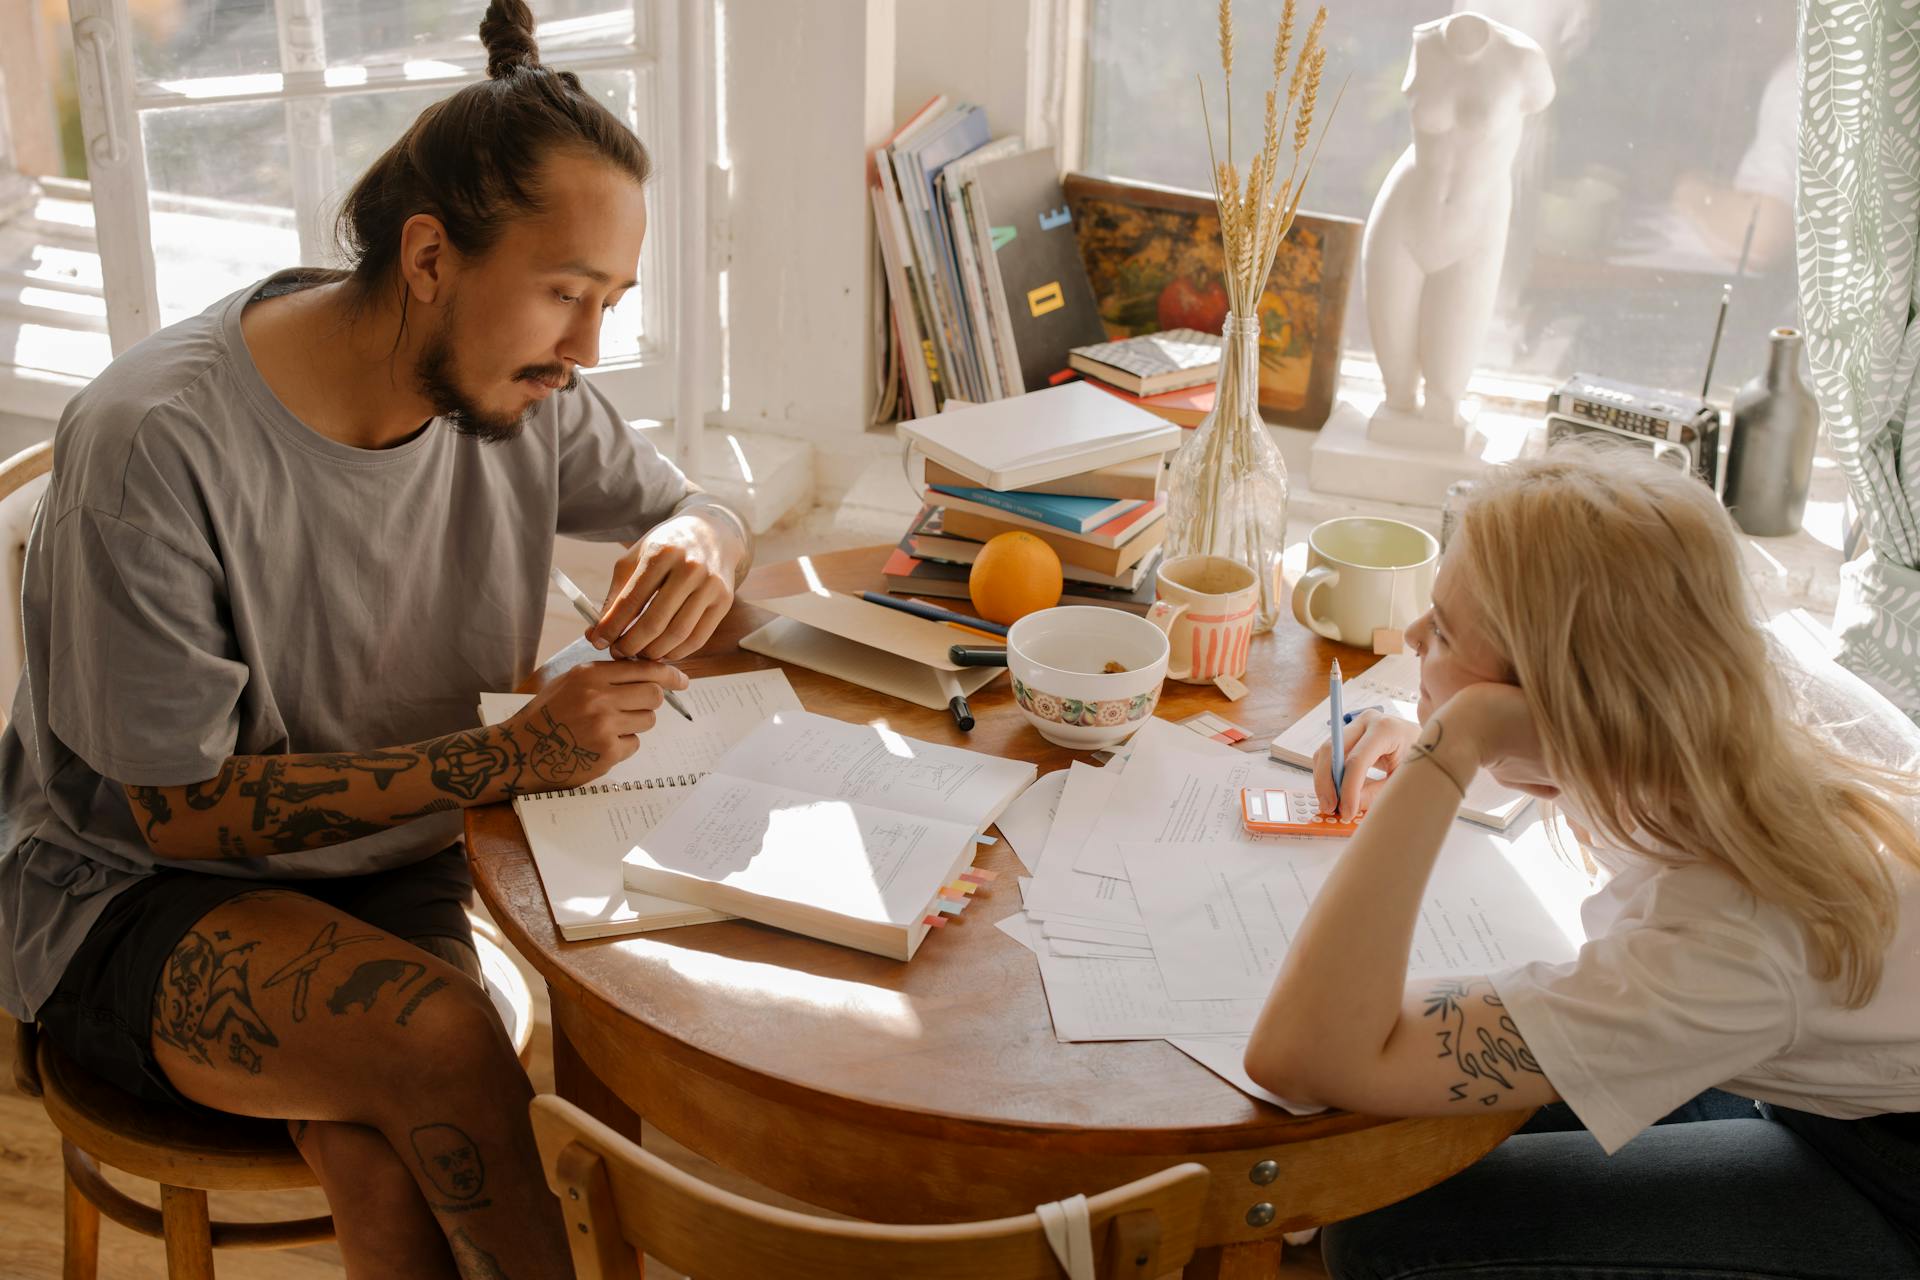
579,836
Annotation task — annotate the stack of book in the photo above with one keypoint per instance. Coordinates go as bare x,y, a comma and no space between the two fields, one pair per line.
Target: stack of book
1070,465
985,283
1172,373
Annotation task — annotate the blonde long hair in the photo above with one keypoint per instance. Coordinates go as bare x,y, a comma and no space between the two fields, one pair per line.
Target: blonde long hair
1612,585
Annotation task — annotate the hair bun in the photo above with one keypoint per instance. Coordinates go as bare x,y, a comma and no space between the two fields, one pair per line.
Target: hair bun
507,33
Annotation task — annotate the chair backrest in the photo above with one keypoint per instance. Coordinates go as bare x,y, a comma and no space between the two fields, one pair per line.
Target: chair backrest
618,1199
23,479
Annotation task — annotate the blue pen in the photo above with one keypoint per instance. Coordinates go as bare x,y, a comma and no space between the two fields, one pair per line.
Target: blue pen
1339,730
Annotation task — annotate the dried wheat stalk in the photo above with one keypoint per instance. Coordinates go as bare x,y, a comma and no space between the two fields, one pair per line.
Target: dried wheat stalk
1255,218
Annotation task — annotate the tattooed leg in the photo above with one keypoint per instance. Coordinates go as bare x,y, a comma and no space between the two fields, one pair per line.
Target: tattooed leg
277,1005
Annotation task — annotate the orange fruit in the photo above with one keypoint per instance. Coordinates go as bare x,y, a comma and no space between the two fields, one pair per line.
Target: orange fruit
1014,575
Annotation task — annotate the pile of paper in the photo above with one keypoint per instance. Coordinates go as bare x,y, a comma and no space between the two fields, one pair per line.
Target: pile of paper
1155,915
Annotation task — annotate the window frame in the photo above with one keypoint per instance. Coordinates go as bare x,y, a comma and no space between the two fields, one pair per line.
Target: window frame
112,98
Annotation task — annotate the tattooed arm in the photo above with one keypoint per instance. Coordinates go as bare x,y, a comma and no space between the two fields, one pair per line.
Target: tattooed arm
585,722
1342,1025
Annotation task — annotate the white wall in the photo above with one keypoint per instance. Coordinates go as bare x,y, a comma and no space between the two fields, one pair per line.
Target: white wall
975,51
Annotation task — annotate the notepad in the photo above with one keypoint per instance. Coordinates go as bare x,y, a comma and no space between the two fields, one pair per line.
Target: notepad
844,832
1393,683
578,836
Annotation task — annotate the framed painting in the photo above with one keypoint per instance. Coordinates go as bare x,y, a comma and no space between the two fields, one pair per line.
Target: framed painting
1153,257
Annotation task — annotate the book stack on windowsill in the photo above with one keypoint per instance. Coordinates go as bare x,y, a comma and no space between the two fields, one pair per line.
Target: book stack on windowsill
1171,374
1070,465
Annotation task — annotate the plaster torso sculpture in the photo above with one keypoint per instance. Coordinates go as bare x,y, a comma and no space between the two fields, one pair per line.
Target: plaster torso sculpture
1434,241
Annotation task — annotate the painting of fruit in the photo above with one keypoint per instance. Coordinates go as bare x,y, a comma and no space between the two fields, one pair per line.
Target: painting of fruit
1153,257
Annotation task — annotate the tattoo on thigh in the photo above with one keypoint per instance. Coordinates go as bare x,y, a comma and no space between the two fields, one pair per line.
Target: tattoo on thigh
298,1131
452,1164
363,986
1493,1055
406,1010
474,1262
203,999
300,968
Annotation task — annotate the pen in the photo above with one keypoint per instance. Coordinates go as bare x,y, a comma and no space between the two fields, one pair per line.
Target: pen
1339,730
932,612
584,607
956,701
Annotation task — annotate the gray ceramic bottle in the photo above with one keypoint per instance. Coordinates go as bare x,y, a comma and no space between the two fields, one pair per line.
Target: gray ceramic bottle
1770,462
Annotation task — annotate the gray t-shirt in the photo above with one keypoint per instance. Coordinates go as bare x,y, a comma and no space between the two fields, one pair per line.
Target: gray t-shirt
207,577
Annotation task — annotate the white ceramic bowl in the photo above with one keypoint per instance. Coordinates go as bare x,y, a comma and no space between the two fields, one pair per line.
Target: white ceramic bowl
1056,656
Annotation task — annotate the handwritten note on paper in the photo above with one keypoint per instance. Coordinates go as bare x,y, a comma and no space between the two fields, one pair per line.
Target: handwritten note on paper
873,765
1111,999
1221,916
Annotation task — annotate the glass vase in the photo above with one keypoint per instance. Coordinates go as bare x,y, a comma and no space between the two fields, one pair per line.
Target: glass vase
1227,489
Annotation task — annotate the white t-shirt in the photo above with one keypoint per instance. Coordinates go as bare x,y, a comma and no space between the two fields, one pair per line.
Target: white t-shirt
1689,982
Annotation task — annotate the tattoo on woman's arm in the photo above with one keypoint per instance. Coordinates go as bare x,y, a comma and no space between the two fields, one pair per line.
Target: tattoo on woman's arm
1430,739
1477,1033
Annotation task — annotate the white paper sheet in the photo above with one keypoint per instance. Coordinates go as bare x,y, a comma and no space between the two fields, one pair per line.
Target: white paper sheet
1016,927
1094,999
1224,1056
1027,822
1221,916
1057,927
1102,950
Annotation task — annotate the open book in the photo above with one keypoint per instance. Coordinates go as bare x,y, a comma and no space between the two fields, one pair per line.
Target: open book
1393,683
578,836
844,832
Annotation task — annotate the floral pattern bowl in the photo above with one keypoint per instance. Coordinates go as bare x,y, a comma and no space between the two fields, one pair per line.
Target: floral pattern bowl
1057,659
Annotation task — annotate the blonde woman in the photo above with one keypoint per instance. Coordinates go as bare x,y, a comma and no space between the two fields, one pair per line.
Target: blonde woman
1756,934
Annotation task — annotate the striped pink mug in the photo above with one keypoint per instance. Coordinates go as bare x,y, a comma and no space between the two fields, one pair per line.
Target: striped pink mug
1205,605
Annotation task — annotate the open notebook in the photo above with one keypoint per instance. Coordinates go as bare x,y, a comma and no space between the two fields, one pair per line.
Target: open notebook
578,836
1394,683
845,832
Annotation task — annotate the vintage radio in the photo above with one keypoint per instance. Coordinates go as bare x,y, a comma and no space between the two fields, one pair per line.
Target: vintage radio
1681,430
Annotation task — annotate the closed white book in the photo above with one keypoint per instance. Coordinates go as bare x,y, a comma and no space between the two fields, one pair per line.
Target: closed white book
1025,440
579,835
1393,684
844,832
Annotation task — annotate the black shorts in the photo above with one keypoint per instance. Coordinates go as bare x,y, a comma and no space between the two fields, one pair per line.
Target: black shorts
101,1013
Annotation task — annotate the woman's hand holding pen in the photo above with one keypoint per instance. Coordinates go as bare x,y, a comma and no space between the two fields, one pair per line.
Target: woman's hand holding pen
1374,740
670,591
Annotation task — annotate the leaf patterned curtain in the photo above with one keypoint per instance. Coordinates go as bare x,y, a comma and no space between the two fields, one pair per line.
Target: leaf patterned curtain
1857,220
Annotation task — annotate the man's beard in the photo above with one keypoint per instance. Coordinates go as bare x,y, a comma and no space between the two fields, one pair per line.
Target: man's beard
433,371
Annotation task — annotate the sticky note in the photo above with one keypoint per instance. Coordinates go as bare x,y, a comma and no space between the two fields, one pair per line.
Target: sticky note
938,922
980,875
1233,688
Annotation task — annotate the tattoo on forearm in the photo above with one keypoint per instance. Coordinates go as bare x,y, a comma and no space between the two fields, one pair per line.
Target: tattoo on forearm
203,1000
556,757
316,828
467,763
205,795
1424,749
452,1165
441,805
406,1010
363,986
300,969
385,766
154,801
1479,1035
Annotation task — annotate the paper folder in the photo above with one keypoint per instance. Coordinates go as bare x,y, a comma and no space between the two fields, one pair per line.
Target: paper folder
866,644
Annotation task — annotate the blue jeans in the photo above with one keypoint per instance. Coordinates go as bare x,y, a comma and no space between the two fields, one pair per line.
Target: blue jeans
1719,1190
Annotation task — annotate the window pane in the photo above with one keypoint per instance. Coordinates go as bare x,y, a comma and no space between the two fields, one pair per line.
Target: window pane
183,39
1672,125
220,201
222,188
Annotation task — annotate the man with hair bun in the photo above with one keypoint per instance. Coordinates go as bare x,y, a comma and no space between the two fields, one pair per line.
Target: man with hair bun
285,545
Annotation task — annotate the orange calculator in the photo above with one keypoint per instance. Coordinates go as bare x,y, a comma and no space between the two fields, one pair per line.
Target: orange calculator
1272,812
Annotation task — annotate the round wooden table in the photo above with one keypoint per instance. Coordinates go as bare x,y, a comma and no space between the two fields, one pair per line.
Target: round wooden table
935,1090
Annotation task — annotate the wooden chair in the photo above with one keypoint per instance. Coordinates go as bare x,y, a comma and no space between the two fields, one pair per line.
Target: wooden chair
191,1153
23,479
619,1199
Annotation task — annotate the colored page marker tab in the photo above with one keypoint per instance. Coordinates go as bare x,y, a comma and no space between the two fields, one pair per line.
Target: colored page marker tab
980,875
961,887
938,922
950,908
1046,298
